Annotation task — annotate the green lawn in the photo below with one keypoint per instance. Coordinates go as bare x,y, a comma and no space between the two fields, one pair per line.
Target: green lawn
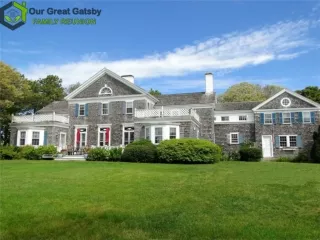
100,200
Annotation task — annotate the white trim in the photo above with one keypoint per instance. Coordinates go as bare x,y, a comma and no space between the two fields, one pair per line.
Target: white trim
283,99
166,121
237,133
290,92
115,76
84,109
234,112
60,137
195,106
129,101
243,116
123,131
303,117
264,119
106,125
224,117
287,110
109,99
288,141
240,122
272,145
286,117
102,114
106,87
75,135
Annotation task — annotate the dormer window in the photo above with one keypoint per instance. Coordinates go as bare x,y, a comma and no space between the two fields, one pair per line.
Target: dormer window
105,90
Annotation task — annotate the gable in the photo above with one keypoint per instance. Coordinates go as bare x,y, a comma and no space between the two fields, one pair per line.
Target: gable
295,102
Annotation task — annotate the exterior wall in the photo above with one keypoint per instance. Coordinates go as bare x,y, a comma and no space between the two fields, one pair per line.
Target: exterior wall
207,123
305,130
116,117
295,102
234,117
118,88
221,130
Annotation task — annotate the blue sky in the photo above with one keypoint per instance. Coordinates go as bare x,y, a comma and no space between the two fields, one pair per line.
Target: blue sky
170,45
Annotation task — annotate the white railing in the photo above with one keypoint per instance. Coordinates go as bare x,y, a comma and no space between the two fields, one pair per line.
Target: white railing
166,112
41,118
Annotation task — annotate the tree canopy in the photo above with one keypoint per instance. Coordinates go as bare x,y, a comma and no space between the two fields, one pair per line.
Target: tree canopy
154,92
71,88
245,91
311,92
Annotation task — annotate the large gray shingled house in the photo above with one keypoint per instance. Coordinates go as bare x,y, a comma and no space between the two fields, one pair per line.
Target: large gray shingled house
111,110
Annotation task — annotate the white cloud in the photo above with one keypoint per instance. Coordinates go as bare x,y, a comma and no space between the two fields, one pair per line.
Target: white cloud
281,41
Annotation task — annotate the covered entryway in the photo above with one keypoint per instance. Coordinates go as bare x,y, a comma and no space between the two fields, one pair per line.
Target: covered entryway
267,146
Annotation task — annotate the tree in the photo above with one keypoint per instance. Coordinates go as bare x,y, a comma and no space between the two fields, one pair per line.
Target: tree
245,91
71,88
155,92
315,150
13,91
311,92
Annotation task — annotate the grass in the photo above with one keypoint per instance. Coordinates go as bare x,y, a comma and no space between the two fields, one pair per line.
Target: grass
100,200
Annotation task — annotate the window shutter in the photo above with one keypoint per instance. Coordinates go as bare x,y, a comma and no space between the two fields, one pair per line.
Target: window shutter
261,118
45,138
274,118
277,141
300,117
124,107
86,109
109,107
241,138
76,110
299,142
292,117
280,118
313,117
228,138
99,109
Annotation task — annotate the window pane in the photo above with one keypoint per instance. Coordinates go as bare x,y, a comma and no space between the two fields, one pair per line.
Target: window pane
102,134
148,133
131,134
286,118
307,117
267,118
81,110
293,141
234,138
283,141
225,118
105,108
173,133
242,118
158,135
83,139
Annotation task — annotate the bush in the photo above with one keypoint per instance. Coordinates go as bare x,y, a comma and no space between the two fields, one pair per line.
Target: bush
250,154
301,157
140,151
9,152
115,154
30,153
97,154
188,150
49,149
315,150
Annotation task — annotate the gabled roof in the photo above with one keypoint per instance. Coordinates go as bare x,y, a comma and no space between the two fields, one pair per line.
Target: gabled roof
185,98
60,107
115,76
289,92
230,106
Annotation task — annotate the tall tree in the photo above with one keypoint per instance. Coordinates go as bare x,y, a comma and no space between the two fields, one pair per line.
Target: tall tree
270,90
71,88
14,89
154,92
311,92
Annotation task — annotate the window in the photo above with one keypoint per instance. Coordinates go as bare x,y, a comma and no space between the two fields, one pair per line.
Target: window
267,118
150,105
288,141
22,138
104,136
129,107
105,90
286,118
157,134
128,135
83,139
285,102
234,138
243,118
105,108
148,133
81,109
307,117
35,138
173,133
225,118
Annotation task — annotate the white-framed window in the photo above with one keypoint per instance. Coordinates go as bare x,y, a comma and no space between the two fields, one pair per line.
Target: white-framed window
129,107
104,136
288,141
22,138
224,118
286,118
306,117
234,138
243,118
105,90
198,133
128,135
157,135
147,133
105,109
149,105
285,102
173,133
80,138
81,109
35,138
268,118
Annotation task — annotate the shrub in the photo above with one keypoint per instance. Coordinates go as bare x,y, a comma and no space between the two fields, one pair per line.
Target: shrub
234,156
115,154
188,150
140,151
49,149
98,154
301,157
250,154
8,152
315,150
30,153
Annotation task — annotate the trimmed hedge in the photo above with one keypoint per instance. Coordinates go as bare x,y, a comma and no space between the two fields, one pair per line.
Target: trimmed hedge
98,154
188,150
140,151
9,152
115,154
26,152
250,154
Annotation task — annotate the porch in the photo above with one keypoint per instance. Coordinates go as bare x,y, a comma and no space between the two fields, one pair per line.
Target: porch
36,118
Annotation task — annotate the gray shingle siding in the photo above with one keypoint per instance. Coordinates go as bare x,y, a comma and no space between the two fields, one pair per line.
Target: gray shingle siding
229,106
295,102
185,98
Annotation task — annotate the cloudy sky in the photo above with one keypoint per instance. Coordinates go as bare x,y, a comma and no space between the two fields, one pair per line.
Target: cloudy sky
170,45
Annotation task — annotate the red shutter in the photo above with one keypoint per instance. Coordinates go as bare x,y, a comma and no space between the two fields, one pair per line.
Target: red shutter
107,135
78,136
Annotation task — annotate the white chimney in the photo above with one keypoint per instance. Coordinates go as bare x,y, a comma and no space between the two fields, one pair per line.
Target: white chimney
209,83
130,78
